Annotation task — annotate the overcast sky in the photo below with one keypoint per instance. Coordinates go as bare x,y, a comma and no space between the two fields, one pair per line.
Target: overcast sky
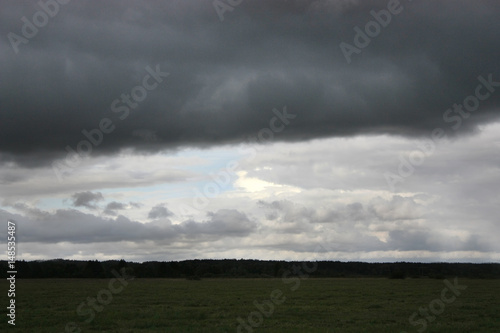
288,129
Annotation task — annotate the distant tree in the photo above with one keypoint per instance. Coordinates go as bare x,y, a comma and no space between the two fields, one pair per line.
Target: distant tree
93,269
397,273
36,270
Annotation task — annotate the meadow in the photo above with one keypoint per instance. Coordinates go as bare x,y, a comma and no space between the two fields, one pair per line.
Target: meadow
324,305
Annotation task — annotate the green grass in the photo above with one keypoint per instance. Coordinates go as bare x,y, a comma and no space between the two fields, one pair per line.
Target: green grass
317,305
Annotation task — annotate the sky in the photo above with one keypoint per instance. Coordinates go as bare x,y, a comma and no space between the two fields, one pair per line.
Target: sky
278,130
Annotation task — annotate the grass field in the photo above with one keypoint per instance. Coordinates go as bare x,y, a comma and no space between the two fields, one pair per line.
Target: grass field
314,305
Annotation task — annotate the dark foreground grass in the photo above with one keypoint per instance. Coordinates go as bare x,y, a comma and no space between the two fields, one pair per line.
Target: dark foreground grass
316,305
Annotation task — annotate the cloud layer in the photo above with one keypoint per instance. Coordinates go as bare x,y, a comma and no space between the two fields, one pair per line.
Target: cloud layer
226,77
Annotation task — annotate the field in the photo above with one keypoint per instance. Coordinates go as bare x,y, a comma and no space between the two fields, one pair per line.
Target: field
290,305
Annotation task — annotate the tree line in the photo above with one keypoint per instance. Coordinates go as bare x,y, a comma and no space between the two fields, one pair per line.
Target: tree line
245,268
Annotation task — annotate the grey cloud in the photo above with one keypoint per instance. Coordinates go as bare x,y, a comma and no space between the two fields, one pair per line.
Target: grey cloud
226,77
86,199
399,208
29,211
70,225
159,211
111,208
392,216
223,222
286,211
292,217
428,240
115,205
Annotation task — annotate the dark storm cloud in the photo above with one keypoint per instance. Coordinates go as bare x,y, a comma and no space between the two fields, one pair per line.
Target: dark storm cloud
86,199
226,77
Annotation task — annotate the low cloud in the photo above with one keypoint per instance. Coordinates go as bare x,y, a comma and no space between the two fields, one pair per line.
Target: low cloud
73,226
112,207
159,211
87,199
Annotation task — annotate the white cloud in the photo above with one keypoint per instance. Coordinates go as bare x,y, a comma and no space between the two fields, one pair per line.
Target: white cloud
279,205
